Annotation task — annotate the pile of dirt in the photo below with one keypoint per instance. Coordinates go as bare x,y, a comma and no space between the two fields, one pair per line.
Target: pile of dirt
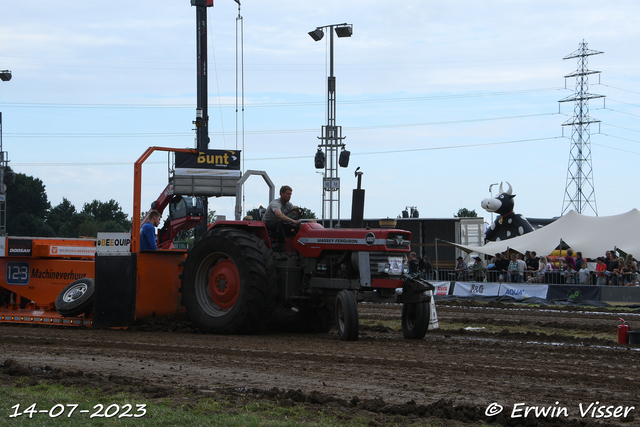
13,372
377,410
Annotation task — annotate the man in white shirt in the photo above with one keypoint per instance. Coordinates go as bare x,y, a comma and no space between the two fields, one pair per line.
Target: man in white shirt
276,219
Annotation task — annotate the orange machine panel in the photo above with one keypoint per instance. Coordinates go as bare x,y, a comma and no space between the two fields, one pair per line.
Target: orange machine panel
41,279
158,281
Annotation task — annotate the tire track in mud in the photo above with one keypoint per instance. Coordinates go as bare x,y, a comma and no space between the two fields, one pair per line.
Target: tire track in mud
468,367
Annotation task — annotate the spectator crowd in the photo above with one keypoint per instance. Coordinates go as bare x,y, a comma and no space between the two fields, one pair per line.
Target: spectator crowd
609,270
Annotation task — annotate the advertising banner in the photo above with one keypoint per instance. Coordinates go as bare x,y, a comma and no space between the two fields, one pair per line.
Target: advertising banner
574,292
470,289
72,251
521,291
442,288
113,243
208,163
19,247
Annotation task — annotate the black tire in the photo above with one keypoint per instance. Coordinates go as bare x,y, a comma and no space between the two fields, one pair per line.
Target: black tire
415,320
76,298
229,282
347,316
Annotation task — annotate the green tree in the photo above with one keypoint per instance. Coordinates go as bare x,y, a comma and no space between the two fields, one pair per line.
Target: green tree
63,218
27,207
466,213
102,216
106,211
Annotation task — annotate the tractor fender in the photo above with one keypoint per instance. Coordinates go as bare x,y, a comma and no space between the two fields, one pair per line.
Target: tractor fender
255,227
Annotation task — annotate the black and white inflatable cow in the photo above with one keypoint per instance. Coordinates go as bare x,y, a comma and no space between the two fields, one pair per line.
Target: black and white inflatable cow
508,224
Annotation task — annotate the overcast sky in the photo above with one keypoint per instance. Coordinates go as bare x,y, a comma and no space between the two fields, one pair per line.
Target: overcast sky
437,100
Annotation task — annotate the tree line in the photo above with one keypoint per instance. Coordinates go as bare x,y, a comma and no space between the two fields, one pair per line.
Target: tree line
29,213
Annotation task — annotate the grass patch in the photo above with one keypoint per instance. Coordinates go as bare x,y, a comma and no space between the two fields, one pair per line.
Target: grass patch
188,410
495,329
393,324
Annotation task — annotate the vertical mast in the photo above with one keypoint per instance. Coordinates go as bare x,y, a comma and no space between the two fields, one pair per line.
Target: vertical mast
202,107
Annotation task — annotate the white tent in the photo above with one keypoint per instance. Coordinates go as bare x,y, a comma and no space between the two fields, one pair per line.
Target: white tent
592,236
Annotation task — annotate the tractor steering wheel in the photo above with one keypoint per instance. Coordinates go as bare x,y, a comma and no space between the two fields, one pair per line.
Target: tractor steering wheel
297,214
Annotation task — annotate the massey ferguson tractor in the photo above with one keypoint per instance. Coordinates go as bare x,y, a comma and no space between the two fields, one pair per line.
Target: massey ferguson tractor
232,282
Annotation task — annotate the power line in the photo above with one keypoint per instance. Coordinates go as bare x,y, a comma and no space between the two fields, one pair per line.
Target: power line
620,127
287,104
624,139
619,88
409,150
264,132
622,112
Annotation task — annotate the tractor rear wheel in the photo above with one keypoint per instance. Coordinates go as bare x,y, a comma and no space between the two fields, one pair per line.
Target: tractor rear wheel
229,282
347,316
415,320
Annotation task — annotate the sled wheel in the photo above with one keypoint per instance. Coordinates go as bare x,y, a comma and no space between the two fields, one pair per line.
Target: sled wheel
347,316
76,298
415,320
229,282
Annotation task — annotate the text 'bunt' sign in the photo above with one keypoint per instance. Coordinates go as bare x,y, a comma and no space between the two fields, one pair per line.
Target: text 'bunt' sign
208,163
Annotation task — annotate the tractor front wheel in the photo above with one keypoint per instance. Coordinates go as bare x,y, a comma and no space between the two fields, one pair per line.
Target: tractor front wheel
347,316
415,320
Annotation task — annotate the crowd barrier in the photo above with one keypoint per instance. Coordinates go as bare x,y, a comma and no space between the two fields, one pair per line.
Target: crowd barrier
612,295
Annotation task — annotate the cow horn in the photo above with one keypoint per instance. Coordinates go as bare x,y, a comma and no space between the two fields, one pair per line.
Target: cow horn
510,190
500,189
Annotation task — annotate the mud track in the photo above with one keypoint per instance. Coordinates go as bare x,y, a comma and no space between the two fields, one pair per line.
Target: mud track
452,375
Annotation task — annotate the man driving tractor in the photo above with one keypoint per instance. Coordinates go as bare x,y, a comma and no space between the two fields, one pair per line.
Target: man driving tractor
276,219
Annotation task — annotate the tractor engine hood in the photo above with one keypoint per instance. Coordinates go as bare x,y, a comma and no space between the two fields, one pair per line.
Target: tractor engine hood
313,239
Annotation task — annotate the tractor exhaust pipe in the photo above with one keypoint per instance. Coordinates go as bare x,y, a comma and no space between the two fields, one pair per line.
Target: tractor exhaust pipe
357,204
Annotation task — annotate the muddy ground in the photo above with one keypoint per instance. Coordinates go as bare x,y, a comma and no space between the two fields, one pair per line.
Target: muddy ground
454,376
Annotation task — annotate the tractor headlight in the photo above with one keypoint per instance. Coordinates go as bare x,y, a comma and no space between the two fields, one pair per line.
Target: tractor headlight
384,267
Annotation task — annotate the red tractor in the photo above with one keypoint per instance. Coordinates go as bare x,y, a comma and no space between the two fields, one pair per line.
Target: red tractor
232,281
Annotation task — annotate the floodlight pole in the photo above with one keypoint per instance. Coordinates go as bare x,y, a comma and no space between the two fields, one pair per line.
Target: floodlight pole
202,104
5,76
331,139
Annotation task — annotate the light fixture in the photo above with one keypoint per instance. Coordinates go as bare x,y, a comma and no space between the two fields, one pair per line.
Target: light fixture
317,34
343,161
5,75
344,31
319,159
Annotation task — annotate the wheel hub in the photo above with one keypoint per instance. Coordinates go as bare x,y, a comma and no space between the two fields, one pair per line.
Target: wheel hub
224,283
75,293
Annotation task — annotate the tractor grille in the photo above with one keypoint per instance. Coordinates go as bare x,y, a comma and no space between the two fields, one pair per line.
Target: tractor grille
376,258
398,241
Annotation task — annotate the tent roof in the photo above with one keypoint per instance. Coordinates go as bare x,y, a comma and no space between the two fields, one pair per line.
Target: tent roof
592,236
